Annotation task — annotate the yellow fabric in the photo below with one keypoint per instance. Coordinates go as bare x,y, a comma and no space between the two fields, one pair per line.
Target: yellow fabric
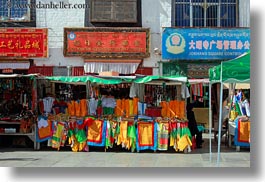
94,131
146,133
233,115
130,107
122,137
183,142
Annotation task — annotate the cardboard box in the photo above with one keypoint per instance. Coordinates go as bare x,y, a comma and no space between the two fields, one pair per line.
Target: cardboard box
109,73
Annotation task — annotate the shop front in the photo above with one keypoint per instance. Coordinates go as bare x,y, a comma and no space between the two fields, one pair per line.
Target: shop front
18,48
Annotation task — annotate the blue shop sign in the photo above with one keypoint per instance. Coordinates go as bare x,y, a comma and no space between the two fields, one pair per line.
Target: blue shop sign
204,43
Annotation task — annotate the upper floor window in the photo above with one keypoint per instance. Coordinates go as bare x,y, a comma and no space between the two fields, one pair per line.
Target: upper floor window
121,11
113,13
15,10
206,13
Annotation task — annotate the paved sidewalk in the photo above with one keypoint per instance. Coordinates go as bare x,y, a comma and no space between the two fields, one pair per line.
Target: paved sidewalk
24,157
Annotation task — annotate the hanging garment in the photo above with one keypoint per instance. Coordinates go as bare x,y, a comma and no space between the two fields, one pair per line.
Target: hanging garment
57,136
71,108
96,133
135,105
184,142
84,109
242,133
146,136
163,135
122,137
118,108
44,130
131,136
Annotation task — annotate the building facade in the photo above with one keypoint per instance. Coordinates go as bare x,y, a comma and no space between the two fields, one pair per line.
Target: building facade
152,14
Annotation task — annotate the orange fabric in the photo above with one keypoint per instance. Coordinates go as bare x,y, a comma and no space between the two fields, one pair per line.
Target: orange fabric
181,109
163,104
94,131
77,107
135,105
118,108
127,107
84,108
171,109
45,132
71,108
244,131
175,108
123,107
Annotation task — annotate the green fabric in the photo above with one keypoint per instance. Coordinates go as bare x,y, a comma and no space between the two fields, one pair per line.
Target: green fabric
235,70
81,136
84,79
156,77
132,135
70,133
238,109
109,132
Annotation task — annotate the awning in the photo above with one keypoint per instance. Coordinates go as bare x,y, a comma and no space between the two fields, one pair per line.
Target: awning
123,67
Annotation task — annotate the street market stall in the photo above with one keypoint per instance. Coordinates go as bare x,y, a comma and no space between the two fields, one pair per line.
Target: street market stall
17,109
114,114
234,71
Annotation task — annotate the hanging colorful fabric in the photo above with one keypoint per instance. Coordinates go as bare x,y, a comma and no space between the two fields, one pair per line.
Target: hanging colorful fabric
57,136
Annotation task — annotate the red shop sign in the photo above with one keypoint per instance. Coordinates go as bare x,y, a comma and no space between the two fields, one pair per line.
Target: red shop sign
106,42
23,42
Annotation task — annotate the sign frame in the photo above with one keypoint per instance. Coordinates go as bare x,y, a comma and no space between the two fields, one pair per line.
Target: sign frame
24,42
204,43
76,34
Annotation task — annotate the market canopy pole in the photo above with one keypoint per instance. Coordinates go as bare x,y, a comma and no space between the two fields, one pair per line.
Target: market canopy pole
210,121
220,117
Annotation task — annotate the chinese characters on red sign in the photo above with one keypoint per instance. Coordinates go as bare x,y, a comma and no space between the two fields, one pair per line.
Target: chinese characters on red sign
23,42
108,43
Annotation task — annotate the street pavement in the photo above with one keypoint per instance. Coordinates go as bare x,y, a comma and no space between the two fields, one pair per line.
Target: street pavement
98,157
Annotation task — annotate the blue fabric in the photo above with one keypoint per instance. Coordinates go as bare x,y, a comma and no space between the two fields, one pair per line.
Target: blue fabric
200,128
236,142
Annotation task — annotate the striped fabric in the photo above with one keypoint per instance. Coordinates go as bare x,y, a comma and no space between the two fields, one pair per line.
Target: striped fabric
163,135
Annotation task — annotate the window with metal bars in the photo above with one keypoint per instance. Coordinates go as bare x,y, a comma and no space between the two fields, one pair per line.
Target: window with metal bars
114,11
15,10
206,13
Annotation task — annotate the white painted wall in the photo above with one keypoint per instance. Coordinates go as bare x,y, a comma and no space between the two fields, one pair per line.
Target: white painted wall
155,15
55,20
